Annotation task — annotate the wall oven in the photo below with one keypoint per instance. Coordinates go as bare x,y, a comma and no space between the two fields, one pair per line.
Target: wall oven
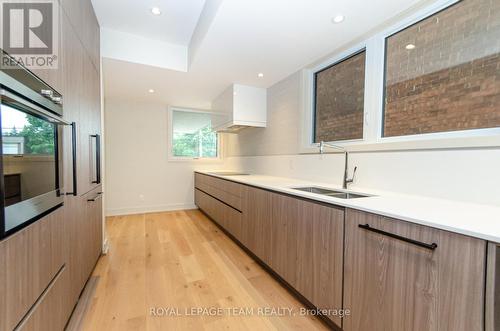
31,153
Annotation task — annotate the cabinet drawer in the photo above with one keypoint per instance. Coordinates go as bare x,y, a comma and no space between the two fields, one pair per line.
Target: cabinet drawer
223,190
29,260
395,281
232,222
50,312
227,217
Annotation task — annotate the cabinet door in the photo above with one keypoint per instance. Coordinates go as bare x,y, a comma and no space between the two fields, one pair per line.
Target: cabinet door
54,76
284,222
319,266
72,68
257,223
89,127
393,285
93,229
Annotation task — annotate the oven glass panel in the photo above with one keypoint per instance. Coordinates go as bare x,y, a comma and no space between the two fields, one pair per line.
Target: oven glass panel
29,155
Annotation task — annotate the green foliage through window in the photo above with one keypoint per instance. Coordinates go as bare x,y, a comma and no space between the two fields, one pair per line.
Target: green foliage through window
193,136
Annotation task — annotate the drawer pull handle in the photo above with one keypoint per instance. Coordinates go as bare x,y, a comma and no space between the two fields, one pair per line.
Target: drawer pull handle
367,227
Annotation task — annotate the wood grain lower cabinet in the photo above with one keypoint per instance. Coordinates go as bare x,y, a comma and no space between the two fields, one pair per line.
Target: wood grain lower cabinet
394,285
283,227
256,229
84,219
319,266
50,313
301,241
29,260
227,217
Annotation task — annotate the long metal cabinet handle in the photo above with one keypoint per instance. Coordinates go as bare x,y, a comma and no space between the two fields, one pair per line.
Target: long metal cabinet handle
73,153
97,158
432,246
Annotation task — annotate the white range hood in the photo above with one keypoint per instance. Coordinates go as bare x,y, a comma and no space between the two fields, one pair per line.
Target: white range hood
239,107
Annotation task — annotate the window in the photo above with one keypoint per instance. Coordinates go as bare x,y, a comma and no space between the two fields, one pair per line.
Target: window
442,73
339,100
192,135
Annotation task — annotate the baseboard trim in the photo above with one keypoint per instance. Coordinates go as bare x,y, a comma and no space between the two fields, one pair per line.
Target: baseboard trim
148,209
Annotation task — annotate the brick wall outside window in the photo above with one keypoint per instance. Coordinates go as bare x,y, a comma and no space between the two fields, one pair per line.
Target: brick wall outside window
339,99
451,79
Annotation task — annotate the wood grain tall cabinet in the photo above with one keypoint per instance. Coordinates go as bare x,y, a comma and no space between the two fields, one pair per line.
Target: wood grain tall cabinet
82,105
44,267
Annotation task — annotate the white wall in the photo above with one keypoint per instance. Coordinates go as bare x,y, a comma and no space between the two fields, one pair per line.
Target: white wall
133,48
139,177
459,174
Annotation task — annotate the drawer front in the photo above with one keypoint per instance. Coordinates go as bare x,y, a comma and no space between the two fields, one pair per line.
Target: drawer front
223,190
50,312
393,284
29,260
232,222
229,218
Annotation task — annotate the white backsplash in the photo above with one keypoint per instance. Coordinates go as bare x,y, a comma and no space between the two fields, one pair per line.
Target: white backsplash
462,175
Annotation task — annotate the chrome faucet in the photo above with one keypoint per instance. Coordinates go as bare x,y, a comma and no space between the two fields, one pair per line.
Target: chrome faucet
346,180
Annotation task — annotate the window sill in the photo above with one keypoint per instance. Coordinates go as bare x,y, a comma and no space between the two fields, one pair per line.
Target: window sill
195,160
386,144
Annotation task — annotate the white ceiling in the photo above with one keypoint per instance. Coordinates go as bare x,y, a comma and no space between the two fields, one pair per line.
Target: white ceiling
175,24
275,37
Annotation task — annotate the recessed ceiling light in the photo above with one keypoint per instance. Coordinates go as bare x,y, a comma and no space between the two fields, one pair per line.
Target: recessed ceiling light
156,11
151,90
338,19
410,47
260,75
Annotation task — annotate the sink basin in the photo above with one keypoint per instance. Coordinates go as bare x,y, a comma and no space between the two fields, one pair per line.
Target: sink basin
331,193
317,190
347,195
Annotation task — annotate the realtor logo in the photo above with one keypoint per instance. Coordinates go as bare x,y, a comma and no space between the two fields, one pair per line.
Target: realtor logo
29,33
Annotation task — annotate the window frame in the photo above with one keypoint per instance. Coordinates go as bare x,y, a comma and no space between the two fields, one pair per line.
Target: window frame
311,77
171,157
373,140
324,67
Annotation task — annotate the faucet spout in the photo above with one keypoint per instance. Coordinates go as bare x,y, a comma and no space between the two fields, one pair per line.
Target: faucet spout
346,179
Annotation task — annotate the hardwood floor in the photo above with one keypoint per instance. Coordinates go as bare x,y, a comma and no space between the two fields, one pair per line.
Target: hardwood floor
180,260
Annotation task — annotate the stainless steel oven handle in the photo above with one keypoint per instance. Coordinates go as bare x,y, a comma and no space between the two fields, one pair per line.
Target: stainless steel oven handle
32,107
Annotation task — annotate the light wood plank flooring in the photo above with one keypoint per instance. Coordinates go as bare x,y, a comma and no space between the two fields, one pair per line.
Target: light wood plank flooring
180,260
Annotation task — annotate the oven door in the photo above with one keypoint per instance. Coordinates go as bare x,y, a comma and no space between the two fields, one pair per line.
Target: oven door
31,162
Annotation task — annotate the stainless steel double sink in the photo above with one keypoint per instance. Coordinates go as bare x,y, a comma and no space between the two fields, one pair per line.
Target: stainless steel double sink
331,193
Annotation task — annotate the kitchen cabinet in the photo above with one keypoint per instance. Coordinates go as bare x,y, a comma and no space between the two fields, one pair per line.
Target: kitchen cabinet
256,234
226,216
319,262
283,229
337,258
29,260
69,238
307,249
85,232
89,129
392,284
50,312
302,241
492,302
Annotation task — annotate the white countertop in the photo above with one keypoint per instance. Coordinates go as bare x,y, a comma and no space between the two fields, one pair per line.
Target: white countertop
480,221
